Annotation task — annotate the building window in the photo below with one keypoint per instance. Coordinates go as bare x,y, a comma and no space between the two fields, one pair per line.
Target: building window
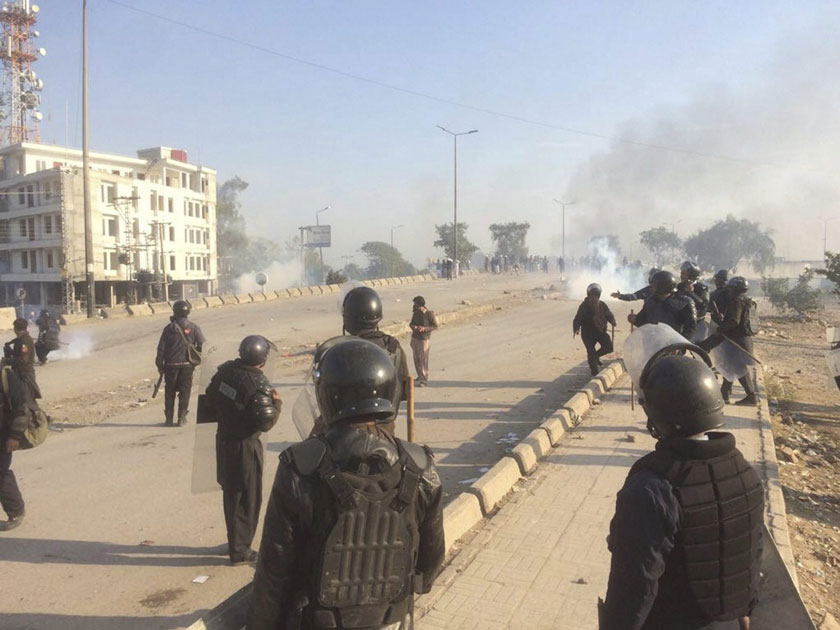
48,225
109,260
30,197
24,260
40,165
49,259
114,261
171,232
153,202
172,263
108,192
135,228
31,226
33,267
58,223
109,226
47,190
22,226
171,205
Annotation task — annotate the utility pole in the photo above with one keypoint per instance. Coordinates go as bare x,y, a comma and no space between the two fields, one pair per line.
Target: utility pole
563,246
454,135
86,168
302,259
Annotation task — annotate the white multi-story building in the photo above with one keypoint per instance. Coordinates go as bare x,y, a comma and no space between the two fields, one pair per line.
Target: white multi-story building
153,226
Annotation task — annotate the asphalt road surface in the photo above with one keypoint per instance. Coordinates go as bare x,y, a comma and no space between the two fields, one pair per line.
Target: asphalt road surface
114,537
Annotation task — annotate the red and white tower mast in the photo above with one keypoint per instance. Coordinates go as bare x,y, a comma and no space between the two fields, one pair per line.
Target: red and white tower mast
20,95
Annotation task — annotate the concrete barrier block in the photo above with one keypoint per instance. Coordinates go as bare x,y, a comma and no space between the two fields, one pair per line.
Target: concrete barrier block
324,288
159,307
368,283
257,297
296,292
243,298
553,426
270,295
539,441
596,386
525,456
213,300
229,299
334,288
578,405
459,516
197,303
281,294
608,378
493,485
8,315
116,312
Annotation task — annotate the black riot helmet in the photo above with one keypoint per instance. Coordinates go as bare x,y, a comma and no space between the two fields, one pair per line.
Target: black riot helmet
738,284
593,289
361,310
254,349
355,379
44,313
181,308
692,271
681,396
663,282
722,274
652,272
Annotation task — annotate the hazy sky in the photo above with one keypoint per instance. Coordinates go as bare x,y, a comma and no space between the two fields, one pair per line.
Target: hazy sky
718,78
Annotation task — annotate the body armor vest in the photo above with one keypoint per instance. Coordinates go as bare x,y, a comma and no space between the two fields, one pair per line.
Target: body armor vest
713,568
364,573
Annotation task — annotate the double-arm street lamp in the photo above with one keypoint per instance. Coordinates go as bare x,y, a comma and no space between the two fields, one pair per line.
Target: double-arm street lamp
321,249
455,188
563,246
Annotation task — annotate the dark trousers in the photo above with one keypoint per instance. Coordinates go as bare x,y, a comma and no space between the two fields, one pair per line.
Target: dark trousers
746,343
10,497
239,469
590,338
177,380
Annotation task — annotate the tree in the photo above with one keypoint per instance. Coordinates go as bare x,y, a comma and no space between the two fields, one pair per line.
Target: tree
231,240
801,299
731,241
335,276
832,271
510,239
354,272
385,261
663,244
444,240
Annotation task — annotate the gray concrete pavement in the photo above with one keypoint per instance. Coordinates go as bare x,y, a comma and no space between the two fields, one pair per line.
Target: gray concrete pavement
541,561
113,535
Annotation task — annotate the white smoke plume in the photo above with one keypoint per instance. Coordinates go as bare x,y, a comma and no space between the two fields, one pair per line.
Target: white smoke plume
765,149
612,275
75,344
281,275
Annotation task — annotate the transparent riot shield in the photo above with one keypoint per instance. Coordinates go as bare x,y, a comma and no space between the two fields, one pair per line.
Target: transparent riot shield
833,359
648,341
702,331
204,449
305,412
729,359
832,335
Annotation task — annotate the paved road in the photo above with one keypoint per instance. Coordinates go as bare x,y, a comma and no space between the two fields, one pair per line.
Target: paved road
114,536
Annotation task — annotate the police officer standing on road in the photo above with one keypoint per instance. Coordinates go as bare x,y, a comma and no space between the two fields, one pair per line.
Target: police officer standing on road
19,354
664,307
48,333
354,525
245,405
719,297
361,313
737,327
642,294
686,535
13,419
591,322
178,352
422,324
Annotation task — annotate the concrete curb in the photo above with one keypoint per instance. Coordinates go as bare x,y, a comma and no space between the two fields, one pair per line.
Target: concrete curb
496,483
459,516
775,512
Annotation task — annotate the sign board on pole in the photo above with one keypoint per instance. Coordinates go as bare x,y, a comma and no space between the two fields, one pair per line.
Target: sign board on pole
317,236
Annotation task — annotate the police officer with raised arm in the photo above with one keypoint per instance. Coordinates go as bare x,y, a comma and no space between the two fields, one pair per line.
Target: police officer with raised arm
354,524
642,294
686,535
245,405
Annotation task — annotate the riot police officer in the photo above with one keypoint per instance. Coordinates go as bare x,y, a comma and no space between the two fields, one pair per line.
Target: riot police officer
642,294
361,313
719,297
693,289
19,354
359,487
686,535
736,326
13,419
591,321
48,335
178,352
667,308
245,405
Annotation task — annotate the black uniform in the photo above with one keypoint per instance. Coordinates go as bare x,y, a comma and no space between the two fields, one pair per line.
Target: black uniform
173,359
718,303
12,425
686,538
353,528
698,293
737,327
642,294
20,355
242,399
48,336
676,310
591,321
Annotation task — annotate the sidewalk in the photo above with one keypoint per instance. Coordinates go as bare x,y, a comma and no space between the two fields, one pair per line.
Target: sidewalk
541,561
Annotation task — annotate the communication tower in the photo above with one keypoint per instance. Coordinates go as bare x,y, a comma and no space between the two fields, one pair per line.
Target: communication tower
20,95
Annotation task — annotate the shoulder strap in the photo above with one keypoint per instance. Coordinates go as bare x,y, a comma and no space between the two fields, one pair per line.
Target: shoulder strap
411,457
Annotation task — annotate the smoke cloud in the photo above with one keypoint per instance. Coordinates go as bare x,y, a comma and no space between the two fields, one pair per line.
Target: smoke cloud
766,150
76,344
281,275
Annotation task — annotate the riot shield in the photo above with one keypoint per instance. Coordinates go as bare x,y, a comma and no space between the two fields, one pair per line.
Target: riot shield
730,360
648,341
833,359
204,448
305,412
702,331
832,335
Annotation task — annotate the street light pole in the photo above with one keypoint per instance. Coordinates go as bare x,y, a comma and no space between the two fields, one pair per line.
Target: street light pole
88,216
563,246
394,227
825,221
455,192
321,249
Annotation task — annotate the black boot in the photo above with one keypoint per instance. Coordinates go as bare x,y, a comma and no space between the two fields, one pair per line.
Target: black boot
748,400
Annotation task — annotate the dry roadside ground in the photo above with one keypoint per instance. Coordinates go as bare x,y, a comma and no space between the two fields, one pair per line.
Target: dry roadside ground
805,408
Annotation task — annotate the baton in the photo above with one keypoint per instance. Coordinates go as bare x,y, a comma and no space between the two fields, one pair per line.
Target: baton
409,410
632,385
157,385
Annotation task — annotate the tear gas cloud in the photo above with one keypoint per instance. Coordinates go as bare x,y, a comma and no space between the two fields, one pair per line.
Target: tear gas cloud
75,344
281,275
765,149
612,275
